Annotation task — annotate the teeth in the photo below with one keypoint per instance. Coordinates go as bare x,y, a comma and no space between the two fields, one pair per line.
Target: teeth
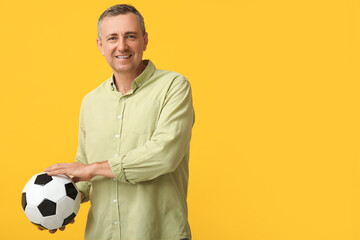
122,57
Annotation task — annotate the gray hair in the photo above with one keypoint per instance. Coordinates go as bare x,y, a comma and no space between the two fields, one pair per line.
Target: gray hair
118,10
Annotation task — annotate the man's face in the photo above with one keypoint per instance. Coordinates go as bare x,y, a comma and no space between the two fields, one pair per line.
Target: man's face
122,43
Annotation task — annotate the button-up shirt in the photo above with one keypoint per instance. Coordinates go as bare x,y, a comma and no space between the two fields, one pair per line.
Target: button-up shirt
145,137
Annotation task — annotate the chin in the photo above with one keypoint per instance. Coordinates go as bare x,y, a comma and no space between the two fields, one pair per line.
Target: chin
124,69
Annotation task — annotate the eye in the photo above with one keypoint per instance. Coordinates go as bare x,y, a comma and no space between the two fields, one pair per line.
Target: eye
131,36
111,38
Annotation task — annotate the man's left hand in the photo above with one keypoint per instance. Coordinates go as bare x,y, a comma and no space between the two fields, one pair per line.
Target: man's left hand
78,171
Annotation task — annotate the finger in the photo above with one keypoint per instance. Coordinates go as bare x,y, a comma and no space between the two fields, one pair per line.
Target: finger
52,167
55,167
57,171
40,229
52,231
53,173
63,228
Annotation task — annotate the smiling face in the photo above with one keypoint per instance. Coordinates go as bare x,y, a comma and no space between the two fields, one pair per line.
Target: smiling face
122,43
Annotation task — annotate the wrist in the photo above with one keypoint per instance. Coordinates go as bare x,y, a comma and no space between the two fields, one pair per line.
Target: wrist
93,169
101,169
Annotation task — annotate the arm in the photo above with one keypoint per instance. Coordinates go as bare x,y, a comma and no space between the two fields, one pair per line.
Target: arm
169,143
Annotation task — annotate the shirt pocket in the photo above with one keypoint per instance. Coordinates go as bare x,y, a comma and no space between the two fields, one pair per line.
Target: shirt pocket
142,117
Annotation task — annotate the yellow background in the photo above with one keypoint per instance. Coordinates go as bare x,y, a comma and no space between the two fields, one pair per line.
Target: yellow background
275,149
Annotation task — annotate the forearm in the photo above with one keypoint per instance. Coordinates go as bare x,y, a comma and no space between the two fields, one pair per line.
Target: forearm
101,169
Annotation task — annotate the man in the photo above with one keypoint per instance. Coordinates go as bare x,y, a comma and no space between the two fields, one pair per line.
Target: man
134,137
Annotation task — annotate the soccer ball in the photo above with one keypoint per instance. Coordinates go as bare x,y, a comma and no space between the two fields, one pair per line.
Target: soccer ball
50,202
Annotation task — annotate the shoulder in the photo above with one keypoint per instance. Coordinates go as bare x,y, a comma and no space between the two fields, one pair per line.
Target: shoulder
170,79
174,86
169,75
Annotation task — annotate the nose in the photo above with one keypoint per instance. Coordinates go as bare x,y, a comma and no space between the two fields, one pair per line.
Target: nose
122,46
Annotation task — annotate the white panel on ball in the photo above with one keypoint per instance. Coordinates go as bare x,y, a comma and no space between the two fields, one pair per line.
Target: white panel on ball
65,207
52,222
29,183
33,214
54,190
77,203
62,179
35,195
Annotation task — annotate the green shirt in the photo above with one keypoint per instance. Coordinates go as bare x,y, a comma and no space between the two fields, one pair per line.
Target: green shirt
145,136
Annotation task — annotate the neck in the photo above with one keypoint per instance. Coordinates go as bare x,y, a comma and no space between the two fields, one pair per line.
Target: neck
123,80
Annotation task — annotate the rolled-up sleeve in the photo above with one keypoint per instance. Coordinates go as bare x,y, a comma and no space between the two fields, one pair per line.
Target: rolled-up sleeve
166,148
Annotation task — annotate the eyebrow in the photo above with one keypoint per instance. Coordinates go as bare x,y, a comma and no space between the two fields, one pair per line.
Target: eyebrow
126,33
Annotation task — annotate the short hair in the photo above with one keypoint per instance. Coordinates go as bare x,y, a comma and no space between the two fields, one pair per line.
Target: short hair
120,9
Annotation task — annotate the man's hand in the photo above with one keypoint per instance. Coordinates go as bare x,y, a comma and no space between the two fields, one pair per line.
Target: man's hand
81,172
78,171
54,230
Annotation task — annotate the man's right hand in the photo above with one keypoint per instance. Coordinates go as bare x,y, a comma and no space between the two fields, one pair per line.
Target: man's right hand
55,230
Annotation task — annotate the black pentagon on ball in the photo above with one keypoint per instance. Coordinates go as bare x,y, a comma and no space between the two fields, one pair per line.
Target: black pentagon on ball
23,200
71,190
43,179
47,207
69,219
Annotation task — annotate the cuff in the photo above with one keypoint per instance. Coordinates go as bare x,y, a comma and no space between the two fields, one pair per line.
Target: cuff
117,168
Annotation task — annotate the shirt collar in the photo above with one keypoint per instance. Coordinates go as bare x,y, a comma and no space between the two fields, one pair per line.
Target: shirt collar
140,80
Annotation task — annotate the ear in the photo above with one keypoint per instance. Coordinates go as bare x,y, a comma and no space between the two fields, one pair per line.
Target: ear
146,40
100,46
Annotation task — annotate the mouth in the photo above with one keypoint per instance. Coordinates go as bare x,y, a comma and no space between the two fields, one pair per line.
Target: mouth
123,56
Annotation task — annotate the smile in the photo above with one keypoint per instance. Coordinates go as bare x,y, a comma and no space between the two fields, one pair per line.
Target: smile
123,57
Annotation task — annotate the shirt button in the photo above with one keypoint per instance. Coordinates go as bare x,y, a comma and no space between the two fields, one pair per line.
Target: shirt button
114,179
114,200
116,223
115,155
119,116
117,135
